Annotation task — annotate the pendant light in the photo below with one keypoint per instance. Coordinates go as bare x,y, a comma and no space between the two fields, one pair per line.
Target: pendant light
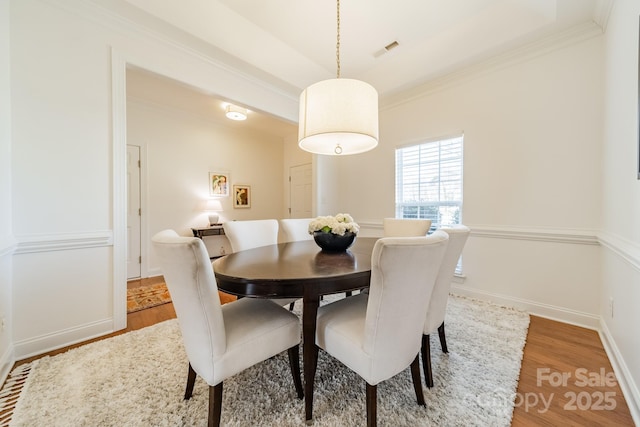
338,116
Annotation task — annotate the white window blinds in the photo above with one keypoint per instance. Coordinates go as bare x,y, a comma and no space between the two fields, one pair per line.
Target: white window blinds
429,181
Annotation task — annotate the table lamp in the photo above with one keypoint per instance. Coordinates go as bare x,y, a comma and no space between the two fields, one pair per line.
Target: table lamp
213,206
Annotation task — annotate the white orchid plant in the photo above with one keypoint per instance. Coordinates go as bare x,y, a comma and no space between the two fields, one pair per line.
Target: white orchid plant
339,224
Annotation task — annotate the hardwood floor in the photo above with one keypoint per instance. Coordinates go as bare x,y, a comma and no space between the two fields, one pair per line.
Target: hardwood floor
566,378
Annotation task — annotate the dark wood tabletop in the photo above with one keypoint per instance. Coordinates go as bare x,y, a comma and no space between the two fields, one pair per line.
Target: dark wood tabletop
286,269
297,270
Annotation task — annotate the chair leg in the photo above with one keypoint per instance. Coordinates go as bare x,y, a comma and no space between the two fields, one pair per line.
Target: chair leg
215,405
443,338
426,361
372,405
294,363
191,379
417,384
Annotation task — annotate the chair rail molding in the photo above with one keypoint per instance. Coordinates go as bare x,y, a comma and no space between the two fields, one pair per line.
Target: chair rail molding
562,235
623,248
558,235
7,246
63,241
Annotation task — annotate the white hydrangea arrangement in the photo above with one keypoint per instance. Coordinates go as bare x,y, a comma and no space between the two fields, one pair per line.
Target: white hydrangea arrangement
339,224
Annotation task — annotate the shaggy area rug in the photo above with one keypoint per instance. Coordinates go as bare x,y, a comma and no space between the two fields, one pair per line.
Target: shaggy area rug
138,379
147,296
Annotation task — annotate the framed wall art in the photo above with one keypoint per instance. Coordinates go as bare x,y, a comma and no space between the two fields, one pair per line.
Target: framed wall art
241,196
219,183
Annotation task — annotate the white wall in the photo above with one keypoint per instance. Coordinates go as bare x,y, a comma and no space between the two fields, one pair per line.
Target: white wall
6,238
181,149
534,182
532,175
61,180
67,195
621,197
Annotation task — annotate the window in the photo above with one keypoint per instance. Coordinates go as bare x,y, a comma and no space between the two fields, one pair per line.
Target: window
429,181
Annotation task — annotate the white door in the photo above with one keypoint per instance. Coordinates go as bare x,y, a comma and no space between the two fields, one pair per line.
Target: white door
134,259
300,191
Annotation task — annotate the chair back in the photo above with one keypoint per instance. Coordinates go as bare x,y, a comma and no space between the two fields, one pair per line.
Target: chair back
187,271
251,234
405,227
403,274
295,229
438,305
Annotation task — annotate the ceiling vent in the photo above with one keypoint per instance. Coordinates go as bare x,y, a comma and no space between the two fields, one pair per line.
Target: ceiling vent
386,49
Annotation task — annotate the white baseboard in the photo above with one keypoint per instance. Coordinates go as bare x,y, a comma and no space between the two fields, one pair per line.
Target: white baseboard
561,314
153,272
625,380
6,363
586,320
49,342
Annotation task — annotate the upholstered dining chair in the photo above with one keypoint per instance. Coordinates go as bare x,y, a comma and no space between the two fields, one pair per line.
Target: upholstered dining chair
405,227
251,234
221,340
296,229
438,305
377,335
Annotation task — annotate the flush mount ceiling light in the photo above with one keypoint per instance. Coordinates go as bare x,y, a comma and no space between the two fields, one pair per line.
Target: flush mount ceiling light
338,116
235,113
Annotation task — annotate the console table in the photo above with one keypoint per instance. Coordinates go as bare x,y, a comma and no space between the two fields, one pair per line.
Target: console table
214,230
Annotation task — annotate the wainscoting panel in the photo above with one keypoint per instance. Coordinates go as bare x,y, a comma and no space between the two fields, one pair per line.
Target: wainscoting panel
58,339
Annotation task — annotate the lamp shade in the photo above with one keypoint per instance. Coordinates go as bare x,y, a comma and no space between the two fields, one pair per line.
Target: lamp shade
338,116
213,205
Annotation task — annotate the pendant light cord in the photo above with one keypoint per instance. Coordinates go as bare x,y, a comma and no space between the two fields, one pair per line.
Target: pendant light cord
338,42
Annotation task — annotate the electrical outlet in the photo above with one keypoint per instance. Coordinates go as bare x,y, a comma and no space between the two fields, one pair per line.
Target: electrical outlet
3,323
222,251
611,307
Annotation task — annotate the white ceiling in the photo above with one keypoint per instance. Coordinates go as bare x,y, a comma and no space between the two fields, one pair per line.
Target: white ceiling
162,91
295,40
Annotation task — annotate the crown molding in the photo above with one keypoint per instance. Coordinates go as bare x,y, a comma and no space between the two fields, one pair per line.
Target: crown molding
123,17
602,12
569,37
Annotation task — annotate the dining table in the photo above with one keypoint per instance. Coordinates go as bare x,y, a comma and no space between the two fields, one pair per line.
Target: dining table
297,270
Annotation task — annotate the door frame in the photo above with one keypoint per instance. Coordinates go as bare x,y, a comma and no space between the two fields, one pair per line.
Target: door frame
291,192
144,263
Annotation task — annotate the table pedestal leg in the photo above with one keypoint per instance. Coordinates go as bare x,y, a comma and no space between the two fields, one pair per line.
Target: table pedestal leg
309,350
